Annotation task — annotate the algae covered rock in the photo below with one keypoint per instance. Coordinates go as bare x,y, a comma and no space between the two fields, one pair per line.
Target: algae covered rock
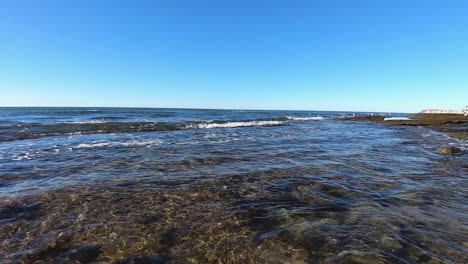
143,259
359,257
449,150
85,254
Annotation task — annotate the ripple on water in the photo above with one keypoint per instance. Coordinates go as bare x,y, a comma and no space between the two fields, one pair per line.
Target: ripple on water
305,192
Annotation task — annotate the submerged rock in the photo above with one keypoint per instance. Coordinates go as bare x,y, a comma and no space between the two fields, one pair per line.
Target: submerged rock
85,254
49,248
317,238
358,257
144,259
17,212
283,216
390,243
449,150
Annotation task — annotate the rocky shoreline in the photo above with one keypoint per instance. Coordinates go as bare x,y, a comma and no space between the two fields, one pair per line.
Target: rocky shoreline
445,111
455,125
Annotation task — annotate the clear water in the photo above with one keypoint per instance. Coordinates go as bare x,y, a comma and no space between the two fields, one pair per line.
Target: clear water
336,190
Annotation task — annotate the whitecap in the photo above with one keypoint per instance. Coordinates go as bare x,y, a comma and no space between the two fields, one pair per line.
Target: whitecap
94,121
22,156
235,124
306,118
130,143
396,118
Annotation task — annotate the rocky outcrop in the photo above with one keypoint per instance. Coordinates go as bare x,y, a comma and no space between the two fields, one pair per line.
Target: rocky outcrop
449,150
454,125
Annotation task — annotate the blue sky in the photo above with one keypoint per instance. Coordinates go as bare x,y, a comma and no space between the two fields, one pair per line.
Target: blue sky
313,55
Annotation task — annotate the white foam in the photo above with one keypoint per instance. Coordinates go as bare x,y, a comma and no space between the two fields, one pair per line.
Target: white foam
235,124
130,143
22,156
396,118
306,118
94,121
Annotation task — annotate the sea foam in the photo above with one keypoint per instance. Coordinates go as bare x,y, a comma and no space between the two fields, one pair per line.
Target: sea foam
130,143
235,124
396,118
306,118
93,121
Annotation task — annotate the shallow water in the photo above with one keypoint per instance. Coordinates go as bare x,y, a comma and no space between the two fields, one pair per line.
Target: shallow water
227,186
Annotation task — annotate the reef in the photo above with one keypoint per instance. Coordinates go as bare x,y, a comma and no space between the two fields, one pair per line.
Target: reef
455,125
256,218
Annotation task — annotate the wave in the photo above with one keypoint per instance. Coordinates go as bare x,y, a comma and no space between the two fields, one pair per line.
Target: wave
93,121
234,124
130,143
396,118
102,126
306,118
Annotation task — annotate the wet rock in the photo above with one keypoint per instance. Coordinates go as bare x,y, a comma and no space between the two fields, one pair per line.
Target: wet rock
48,248
85,254
371,118
453,124
281,118
15,212
275,251
144,259
317,238
148,218
358,257
418,255
435,261
449,150
390,243
283,216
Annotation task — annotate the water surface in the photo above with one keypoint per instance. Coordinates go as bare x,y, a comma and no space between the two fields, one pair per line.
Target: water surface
228,185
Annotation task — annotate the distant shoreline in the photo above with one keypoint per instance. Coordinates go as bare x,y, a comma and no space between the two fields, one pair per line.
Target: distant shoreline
444,111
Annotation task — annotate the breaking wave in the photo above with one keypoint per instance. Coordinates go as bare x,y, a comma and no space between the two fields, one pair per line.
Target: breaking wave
103,126
130,143
396,118
235,124
306,118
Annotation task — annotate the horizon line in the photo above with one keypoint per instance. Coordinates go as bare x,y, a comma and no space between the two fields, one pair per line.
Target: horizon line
200,108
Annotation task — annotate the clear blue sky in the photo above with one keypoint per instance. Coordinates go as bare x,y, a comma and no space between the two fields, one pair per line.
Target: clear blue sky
313,55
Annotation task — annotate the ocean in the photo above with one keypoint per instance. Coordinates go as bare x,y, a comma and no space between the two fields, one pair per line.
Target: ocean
227,186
